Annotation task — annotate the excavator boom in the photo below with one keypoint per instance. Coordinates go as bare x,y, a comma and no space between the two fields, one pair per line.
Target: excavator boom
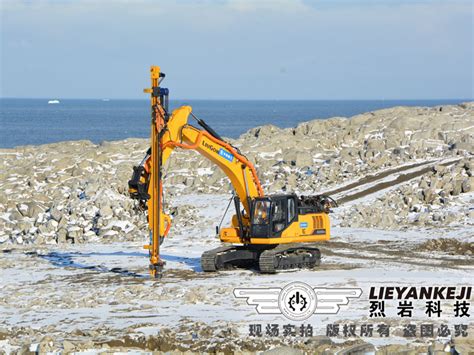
236,166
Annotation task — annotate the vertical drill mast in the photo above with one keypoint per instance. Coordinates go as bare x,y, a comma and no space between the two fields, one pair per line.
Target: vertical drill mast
157,124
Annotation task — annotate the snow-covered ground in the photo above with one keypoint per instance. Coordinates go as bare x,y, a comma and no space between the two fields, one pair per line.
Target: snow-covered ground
106,286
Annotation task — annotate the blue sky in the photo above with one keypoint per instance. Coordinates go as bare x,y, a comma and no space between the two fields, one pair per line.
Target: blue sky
238,49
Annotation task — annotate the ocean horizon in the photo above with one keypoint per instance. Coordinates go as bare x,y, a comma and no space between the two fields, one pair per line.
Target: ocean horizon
34,121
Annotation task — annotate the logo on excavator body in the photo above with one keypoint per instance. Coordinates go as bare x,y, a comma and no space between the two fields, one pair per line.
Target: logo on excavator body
225,154
222,152
303,224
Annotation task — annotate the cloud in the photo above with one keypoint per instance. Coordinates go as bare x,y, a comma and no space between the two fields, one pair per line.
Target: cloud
239,49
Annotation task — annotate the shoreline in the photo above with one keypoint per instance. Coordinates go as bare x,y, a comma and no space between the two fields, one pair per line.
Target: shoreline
460,104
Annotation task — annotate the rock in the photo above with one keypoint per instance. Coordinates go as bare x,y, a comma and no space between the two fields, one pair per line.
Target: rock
423,184
466,185
24,225
23,209
15,215
68,347
189,181
467,146
448,189
399,151
62,236
105,211
450,217
457,187
375,145
45,229
264,131
62,222
292,180
429,195
46,345
303,159
75,234
30,209
56,214
439,168
52,225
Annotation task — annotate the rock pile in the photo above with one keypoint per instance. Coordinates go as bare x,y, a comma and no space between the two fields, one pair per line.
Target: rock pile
183,216
432,200
320,153
68,192
77,191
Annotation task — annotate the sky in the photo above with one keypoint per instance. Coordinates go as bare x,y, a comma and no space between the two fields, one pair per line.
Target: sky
238,49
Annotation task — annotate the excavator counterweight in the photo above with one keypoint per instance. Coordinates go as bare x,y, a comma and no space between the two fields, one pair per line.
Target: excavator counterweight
271,232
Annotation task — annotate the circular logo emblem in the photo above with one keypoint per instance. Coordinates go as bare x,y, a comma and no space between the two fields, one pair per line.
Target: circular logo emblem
297,301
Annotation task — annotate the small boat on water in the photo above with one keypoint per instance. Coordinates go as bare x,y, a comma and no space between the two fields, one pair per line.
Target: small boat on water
53,102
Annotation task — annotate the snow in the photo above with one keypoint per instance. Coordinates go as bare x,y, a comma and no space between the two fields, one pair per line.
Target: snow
268,155
205,171
82,286
7,347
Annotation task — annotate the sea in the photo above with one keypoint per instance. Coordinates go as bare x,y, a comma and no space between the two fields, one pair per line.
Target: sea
34,121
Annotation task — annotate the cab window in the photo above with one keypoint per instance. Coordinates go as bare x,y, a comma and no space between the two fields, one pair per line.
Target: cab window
279,217
261,212
291,209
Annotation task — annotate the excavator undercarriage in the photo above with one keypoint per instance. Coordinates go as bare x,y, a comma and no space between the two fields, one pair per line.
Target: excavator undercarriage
267,259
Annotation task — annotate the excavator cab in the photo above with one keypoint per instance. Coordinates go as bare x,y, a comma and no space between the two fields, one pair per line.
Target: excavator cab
271,215
278,219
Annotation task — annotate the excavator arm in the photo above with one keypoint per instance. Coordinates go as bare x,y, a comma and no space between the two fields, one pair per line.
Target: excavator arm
170,133
240,171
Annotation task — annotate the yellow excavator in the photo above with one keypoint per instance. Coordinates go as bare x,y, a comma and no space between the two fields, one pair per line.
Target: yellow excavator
273,232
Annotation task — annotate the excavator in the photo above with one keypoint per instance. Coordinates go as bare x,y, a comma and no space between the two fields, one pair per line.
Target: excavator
273,232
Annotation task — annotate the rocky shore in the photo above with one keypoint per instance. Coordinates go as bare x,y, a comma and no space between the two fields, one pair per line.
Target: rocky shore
71,236
75,192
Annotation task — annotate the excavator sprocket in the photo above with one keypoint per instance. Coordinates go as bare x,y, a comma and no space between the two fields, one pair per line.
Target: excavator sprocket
289,257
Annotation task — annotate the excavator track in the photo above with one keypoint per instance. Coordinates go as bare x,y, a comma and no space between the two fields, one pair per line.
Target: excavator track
280,258
289,257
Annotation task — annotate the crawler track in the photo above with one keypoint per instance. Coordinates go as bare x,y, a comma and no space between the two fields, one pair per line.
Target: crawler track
288,257
267,259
